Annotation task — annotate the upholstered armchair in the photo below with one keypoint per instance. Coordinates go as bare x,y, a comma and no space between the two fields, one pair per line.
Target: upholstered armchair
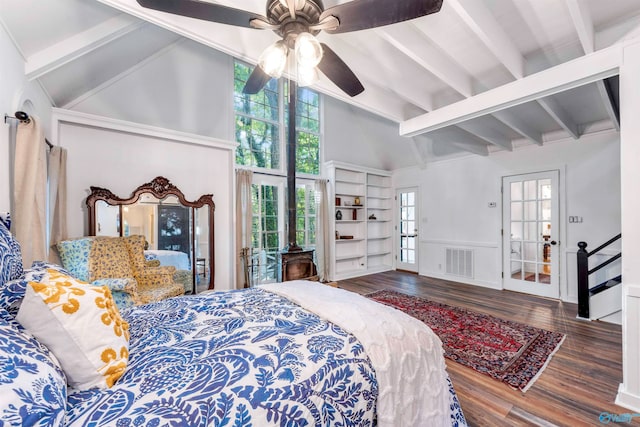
118,263
154,283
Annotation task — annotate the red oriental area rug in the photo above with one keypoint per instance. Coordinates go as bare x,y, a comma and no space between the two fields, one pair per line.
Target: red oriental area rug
511,352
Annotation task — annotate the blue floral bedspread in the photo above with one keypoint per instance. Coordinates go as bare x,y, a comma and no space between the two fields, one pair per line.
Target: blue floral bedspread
238,358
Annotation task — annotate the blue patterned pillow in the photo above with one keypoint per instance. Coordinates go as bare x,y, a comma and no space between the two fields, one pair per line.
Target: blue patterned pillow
10,255
74,255
12,292
123,290
33,388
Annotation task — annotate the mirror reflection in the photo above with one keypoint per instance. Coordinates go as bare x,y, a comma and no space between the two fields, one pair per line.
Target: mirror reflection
177,232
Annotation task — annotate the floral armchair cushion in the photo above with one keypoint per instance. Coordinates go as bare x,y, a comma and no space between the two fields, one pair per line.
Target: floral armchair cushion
74,255
102,261
119,264
154,283
33,387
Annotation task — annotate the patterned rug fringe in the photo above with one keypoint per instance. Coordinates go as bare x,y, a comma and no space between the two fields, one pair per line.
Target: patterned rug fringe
546,363
511,352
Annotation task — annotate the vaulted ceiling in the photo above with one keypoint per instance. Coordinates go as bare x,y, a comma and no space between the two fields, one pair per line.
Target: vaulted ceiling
72,47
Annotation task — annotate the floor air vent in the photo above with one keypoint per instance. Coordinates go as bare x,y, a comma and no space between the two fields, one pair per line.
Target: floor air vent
460,262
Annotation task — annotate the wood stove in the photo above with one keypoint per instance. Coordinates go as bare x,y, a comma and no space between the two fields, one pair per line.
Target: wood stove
296,265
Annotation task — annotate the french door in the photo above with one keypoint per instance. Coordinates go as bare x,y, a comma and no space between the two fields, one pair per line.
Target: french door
407,236
530,233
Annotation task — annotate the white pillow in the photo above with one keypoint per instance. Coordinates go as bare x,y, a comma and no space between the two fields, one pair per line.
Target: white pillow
81,325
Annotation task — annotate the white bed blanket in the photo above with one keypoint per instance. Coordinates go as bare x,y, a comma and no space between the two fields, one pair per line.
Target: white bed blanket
405,353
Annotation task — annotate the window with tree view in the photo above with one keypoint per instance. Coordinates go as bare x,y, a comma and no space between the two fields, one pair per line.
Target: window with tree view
261,131
257,122
265,231
307,130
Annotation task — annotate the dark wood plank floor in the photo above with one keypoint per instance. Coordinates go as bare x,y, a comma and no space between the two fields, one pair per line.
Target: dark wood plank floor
578,385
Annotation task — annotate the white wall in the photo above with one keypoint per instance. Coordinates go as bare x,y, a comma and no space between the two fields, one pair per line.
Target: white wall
122,160
171,90
455,196
16,93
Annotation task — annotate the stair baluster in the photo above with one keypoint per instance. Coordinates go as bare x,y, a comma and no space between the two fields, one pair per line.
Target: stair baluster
584,293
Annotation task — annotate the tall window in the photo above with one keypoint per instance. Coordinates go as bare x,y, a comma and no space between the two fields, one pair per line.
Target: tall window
306,215
266,233
261,131
307,130
257,122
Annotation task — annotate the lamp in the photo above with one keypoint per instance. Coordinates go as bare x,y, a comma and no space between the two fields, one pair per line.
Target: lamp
308,50
274,59
307,76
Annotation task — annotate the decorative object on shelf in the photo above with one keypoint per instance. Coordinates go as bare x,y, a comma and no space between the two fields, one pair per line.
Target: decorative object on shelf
337,201
338,215
356,201
354,214
337,234
372,217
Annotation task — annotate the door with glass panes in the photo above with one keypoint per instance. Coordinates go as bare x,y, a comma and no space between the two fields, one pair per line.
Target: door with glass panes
407,229
530,233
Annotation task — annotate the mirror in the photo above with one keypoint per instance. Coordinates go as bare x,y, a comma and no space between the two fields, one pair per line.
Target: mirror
178,232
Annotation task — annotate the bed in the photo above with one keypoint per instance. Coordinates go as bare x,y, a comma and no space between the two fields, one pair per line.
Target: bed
286,354
179,260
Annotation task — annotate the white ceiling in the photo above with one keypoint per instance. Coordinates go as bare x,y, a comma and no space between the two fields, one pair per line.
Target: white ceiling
73,47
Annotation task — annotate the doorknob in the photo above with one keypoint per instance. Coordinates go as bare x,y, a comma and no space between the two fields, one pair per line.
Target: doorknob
553,242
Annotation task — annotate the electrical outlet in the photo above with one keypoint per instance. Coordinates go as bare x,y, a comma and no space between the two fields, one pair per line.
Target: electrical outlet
439,266
492,204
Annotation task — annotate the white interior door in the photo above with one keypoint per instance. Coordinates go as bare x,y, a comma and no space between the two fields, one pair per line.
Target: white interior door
407,240
530,233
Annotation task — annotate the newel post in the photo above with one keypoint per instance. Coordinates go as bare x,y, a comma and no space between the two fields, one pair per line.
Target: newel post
583,280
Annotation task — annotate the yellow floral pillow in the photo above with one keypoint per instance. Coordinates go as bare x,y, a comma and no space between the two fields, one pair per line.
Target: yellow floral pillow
81,325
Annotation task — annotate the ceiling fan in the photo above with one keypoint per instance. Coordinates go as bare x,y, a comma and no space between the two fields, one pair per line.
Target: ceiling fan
297,22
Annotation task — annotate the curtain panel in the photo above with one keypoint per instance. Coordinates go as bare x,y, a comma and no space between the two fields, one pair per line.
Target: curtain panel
244,211
30,190
323,238
57,200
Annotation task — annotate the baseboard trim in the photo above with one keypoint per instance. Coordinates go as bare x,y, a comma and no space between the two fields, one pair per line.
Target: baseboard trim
627,400
481,283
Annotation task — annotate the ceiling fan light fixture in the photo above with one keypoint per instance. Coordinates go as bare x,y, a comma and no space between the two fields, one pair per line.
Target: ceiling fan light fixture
274,59
299,3
307,76
308,50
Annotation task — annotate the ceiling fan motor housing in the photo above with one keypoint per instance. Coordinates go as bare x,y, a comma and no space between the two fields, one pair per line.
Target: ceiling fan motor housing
289,28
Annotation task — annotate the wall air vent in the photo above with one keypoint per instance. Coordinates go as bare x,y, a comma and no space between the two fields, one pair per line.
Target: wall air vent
459,262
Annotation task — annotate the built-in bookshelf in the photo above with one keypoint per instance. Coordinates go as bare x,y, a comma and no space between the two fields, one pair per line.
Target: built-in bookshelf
362,220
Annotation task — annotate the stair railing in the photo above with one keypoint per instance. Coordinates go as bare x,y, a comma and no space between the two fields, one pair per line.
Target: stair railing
584,292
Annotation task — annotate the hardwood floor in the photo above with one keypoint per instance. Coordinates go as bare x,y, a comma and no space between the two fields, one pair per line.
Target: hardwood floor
580,382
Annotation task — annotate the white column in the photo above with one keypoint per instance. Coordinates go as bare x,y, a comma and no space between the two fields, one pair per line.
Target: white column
629,391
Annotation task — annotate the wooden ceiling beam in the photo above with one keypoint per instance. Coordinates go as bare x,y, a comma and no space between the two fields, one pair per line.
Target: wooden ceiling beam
74,47
479,19
411,41
583,23
481,22
578,72
487,134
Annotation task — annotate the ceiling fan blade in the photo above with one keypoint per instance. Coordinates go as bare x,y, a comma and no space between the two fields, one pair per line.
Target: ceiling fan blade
204,10
362,14
256,81
339,73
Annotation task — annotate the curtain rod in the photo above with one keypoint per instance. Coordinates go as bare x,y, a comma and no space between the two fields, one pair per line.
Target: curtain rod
23,117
